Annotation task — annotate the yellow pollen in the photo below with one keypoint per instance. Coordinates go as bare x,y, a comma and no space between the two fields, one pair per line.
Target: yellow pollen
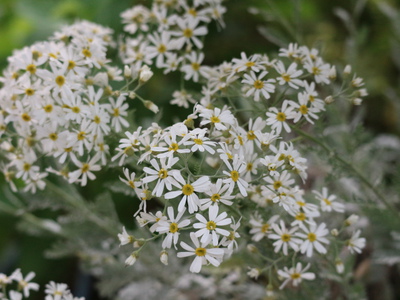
132,184
85,168
258,84
188,33
249,167
26,117
162,174
211,225
173,147
285,237
26,167
187,189
29,92
316,71
97,119
303,109
295,276
311,98
53,136
277,184
76,109
200,251
240,140
31,68
86,53
162,48
173,227
68,149
327,202
81,136
300,203
281,117
192,12
116,112
235,175
71,65
215,197
195,66
300,217
251,136
60,80
215,119
198,141
265,228
286,77
312,237
249,64
230,156
48,108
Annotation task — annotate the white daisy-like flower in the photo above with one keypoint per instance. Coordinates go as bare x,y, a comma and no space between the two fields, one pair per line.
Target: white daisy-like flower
284,238
24,282
257,86
355,243
189,190
328,202
210,230
235,174
124,237
219,118
216,195
277,118
203,255
314,237
260,228
289,76
295,275
188,32
171,227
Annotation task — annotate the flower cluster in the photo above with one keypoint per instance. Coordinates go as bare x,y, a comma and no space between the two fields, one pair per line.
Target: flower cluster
57,101
169,34
16,286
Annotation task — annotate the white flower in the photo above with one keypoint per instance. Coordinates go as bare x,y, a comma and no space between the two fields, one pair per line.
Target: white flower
145,74
203,255
259,86
216,195
189,32
236,171
277,118
210,230
314,237
84,170
171,227
284,238
355,243
56,290
24,283
289,76
189,190
295,275
124,237
327,202
260,228
131,259
217,117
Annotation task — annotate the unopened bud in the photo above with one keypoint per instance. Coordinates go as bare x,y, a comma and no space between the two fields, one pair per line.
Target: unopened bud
189,123
131,259
332,73
334,232
253,273
357,101
329,100
127,72
151,106
339,265
132,95
164,257
251,248
362,93
347,70
145,74
351,220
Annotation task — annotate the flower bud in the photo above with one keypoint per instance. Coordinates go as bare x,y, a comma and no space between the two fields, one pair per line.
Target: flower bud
151,106
253,273
332,73
132,95
131,259
339,265
251,248
127,72
351,220
329,100
357,82
362,93
164,257
145,74
357,101
334,232
347,70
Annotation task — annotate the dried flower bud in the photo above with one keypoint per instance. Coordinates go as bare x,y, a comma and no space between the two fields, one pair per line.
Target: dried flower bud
164,257
329,100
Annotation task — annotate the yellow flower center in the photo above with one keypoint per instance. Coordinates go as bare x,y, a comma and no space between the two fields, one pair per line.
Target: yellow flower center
173,147
29,92
97,119
277,184
60,80
200,251
312,237
295,276
53,136
286,77
265,228
258,84
195,66
251,136
285,237
81,136
300,216
188,33
26,117
316,71
303,109
162,174
211,225
31,68
198,141
327,202
116,112
215,197
86,53
85,168
249,64
281,117
215,119
162,48
76,109
187,189
249,167
48,108
235,175
26,167
173,227
71,65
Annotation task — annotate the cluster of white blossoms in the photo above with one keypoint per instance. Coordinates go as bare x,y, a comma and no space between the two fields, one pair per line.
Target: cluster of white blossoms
57,101
231,164
18,287
169,34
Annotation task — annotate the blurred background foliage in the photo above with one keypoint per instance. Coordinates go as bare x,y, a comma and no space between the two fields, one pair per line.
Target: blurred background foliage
365,34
